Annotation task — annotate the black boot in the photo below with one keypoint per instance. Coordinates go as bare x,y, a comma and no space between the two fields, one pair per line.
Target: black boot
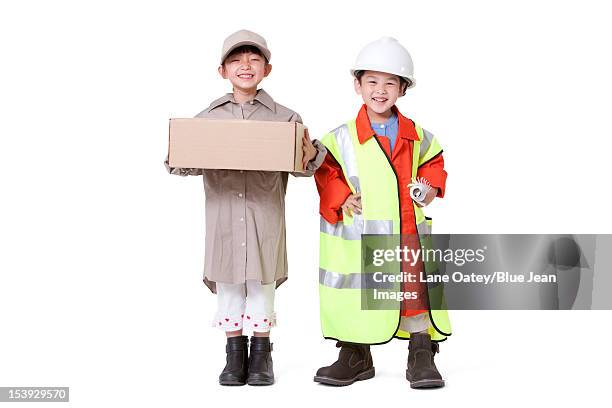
354,363
421,370
235,371
260,362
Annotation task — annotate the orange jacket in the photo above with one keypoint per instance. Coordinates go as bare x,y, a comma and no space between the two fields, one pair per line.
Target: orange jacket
333,189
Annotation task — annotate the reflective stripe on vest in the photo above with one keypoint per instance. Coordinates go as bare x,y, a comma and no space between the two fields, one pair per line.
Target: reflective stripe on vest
355,280
359,226
349,162
429,145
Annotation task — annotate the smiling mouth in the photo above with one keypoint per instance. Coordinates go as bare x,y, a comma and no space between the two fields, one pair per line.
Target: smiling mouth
246,76
380,100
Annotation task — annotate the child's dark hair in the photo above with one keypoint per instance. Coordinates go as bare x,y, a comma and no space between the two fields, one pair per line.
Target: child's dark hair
244,49
404,83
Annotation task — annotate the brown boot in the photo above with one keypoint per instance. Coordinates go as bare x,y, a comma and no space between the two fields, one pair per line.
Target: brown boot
354,363
421,370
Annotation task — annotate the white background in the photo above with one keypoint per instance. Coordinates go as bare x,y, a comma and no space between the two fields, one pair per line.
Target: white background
102,250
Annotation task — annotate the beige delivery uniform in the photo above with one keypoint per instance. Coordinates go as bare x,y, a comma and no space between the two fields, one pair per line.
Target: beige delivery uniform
245,210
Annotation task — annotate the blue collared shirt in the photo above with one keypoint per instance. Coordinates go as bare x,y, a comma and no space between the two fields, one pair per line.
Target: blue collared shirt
388,129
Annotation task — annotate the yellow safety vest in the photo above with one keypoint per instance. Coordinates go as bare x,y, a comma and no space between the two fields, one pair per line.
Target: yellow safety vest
368,170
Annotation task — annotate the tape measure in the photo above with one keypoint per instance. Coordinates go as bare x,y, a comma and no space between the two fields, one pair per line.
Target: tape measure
419,189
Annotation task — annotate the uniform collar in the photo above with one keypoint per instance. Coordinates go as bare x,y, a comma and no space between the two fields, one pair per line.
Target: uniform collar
405,126
389,122
261,96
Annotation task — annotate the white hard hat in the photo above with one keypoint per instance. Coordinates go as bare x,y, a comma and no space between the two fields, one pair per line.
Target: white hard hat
386,55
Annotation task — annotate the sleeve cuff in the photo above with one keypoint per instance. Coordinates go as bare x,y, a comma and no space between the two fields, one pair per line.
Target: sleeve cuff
318,159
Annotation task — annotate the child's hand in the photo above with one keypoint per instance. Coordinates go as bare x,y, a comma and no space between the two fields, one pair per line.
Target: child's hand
431,194
352,203
310,152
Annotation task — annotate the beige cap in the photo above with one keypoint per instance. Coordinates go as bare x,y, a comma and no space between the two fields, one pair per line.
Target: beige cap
244,37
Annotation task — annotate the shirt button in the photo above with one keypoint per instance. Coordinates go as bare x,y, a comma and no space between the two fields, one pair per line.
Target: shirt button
243,244
239,194
242,171
382,126
241,218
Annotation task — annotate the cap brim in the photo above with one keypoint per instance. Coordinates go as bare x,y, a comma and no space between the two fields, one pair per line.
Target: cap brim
264,51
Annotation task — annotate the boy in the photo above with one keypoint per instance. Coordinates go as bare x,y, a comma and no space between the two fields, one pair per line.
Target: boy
364,185
245,219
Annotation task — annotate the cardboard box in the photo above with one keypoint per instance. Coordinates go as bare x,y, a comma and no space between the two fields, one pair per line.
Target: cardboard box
235,144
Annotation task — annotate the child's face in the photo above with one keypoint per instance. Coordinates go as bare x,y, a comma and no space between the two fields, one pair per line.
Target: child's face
379,90
245,71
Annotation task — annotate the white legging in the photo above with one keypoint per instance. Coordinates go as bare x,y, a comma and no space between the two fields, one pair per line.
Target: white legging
248,305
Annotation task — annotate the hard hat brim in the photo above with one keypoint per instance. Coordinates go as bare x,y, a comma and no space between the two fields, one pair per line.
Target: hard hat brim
411,81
